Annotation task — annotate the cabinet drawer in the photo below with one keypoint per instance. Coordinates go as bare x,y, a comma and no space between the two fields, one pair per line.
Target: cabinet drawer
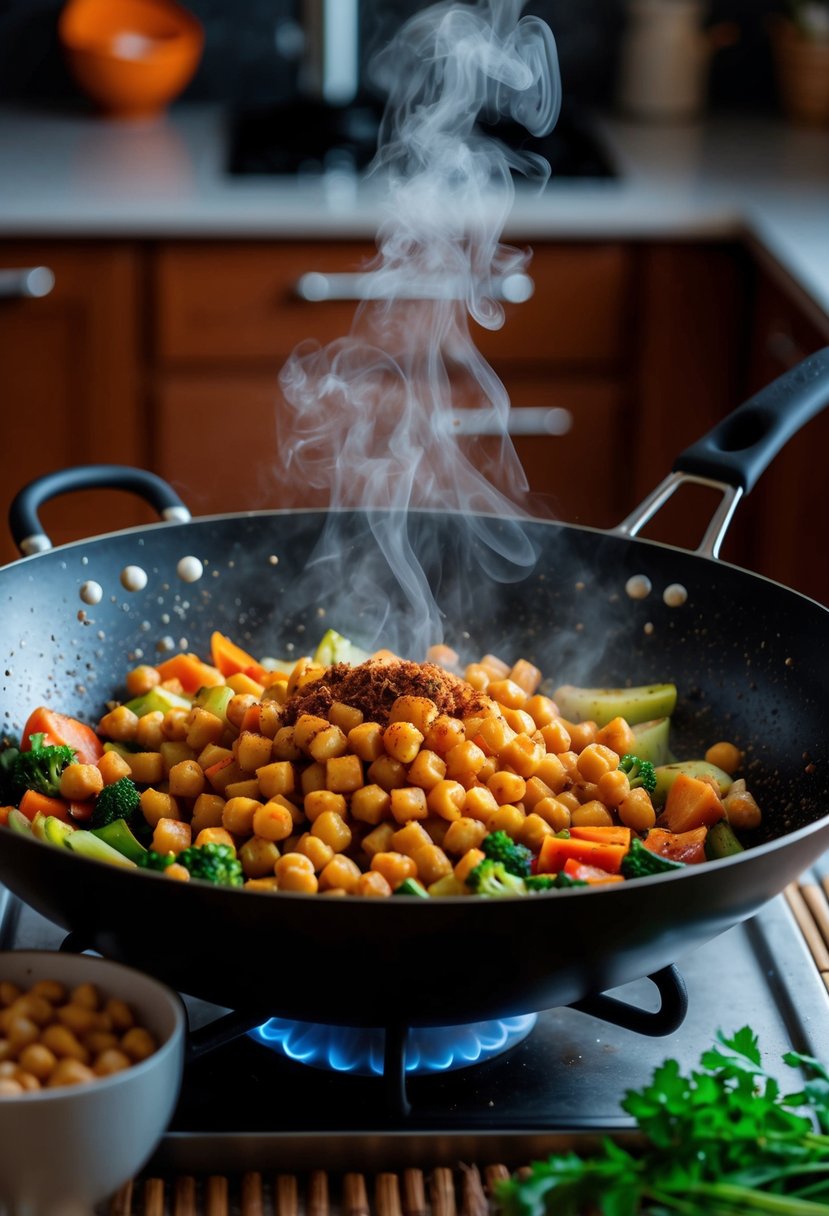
579,312
218,446
229,301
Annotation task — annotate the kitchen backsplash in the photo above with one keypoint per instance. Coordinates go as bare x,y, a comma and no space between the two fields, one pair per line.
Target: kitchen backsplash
251,47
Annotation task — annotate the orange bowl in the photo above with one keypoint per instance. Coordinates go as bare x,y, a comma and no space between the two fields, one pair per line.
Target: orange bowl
132,57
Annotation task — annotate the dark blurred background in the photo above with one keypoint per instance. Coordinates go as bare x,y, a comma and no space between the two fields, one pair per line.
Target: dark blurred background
252,48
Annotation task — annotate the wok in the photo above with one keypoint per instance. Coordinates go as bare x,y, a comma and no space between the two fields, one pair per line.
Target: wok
750,658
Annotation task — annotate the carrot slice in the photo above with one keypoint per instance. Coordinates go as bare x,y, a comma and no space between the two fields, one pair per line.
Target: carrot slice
690,804
4,814
683,846
62,731
612,834
191,671
32,802
231,659
590,874
251,719
556,851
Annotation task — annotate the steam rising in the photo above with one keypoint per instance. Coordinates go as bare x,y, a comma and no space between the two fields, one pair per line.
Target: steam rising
370,417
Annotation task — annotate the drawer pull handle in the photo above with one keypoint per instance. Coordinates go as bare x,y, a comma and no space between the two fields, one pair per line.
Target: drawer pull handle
315,287
529,420
27,283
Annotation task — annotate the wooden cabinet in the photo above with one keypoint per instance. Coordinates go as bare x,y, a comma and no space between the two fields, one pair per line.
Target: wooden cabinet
70,381
167,355
789,506
229,314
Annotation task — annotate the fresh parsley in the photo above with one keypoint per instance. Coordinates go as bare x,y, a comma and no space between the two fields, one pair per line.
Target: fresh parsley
723,1141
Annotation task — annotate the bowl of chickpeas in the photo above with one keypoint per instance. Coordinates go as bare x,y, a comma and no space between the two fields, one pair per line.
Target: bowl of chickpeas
91,1059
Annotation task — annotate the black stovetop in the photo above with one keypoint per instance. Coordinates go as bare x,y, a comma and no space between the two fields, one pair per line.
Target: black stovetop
307,138
571,1072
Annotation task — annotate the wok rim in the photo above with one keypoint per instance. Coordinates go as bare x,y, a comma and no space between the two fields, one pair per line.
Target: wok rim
586,529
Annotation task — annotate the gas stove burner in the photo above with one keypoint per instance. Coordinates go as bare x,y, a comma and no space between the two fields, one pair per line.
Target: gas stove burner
361,1051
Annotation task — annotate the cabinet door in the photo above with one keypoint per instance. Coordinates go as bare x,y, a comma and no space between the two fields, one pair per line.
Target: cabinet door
789,507
219,440
69,382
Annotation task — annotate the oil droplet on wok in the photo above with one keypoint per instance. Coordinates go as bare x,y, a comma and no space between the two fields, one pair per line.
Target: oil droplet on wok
648,628
638,586
91,592
675,595
190,569
165,644
273,559
133,578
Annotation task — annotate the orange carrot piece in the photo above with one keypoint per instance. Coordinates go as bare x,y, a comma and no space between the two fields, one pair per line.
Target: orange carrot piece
251,719
590,874
231,659
62,731
191,671
612,834
4,814
32,802
683,846
556,851
690,804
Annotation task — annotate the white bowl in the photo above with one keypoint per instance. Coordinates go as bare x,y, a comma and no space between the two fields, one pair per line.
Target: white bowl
65,1149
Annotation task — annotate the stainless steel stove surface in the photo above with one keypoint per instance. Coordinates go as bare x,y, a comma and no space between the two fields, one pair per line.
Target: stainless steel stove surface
571,1072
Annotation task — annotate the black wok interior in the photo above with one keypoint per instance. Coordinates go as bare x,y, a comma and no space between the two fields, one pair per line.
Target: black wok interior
750,660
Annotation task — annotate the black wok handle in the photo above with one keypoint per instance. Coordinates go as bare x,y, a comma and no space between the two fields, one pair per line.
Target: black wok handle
743,445
731,457
25,525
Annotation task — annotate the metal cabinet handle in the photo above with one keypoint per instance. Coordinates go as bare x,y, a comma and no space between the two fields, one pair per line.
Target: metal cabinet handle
26,283
315,286
523,420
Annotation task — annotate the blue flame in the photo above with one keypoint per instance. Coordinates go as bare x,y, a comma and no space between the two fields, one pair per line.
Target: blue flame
360,1050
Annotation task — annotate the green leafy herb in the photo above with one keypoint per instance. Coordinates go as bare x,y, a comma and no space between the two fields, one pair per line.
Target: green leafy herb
722,1140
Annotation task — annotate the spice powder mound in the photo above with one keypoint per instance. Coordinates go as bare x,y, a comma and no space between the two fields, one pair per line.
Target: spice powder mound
373,687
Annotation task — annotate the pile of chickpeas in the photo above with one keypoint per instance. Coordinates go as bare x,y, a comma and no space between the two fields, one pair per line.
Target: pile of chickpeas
51,1036
343,805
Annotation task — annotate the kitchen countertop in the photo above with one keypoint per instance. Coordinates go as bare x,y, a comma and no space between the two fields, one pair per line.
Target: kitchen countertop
754,178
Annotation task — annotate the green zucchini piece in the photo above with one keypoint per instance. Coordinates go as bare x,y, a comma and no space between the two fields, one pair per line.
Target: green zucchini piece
39,826
666,775
602,705
90,845
720,841
20,823
215,699
653,741
123,749
158,699
334,648
56,831
119,836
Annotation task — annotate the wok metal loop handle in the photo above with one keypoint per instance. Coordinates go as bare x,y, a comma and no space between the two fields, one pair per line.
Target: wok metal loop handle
315,287
732,456
24,522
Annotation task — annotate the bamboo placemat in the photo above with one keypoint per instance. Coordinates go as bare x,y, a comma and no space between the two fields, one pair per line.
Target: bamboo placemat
809,902
464,1191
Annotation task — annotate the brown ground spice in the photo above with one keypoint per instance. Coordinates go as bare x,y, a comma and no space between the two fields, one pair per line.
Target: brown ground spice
374,686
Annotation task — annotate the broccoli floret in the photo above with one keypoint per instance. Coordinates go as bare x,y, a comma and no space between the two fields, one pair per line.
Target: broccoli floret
492,878
540,882
639,772
156,861
117,801
216,863
564,880
498,846
8,790
639,861
40,768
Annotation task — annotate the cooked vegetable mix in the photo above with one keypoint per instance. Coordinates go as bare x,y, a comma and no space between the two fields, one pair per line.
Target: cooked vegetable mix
346,774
